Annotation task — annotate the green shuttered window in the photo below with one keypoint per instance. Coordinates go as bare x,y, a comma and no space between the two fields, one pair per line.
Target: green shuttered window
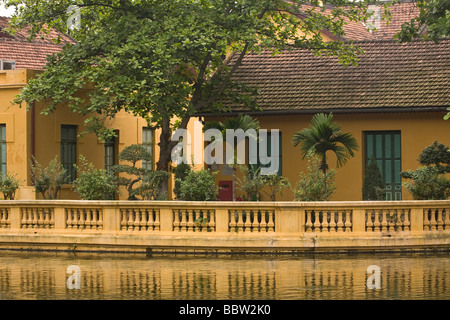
385,146
147,143
2,148
69,150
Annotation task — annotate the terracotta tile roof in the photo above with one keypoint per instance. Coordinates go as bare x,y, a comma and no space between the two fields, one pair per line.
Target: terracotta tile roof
401,13
389,75
26,54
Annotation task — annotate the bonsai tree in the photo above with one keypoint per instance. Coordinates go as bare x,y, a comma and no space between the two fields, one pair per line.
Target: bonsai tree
429,182
8,185
133,153
323,135
92,183
48,181
374,186
315,185
150,188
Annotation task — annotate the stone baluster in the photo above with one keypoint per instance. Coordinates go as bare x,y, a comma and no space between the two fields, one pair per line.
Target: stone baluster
340,223
191,220
308,223
376,223
332,224
348,221
317,221
34,221
248,221
433,222
263,225
439,222
176,220
384,217
271,223
369,222
240,222
156,221
183,222
212,220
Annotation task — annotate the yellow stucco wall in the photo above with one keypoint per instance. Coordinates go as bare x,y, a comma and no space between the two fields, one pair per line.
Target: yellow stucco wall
48,134
418,130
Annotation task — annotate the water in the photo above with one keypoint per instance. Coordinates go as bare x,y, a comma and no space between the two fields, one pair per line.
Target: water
47,276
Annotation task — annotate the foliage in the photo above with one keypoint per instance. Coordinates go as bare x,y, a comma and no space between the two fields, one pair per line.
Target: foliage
181,171
429,182
314,185
276,184
165,60
150,186
252,182
374,186
199,185
324,134
243,122
8,185
133,153
93,183
433,22
48,181
436,154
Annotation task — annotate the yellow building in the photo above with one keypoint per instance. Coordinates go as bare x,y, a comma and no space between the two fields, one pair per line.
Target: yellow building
393,103
397,95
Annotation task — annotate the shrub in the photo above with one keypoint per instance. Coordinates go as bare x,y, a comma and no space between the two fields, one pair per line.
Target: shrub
251,183
429,182
374,186
8,185
199,186
150,186
92,183
314,185
276,184
48,181
181,171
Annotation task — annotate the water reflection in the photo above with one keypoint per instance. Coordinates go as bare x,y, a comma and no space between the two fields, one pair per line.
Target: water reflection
44,276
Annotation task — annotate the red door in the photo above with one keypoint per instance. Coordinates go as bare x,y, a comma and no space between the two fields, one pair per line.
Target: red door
226,190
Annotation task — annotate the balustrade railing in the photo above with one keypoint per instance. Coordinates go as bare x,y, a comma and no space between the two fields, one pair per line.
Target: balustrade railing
248,218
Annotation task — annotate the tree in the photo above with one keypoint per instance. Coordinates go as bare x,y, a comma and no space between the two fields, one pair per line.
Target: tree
48,181
243,122
252,181
429,182
199,185
8,185
275,184
314,184
93,183
133,153
432,23
374,186
325,135
166,60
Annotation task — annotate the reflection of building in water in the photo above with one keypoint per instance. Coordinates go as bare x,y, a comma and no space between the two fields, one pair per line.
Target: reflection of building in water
413,277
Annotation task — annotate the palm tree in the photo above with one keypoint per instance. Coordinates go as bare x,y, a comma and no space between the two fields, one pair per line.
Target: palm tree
324,135
244,122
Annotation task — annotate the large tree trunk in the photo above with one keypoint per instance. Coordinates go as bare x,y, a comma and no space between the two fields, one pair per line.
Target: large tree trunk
165,152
